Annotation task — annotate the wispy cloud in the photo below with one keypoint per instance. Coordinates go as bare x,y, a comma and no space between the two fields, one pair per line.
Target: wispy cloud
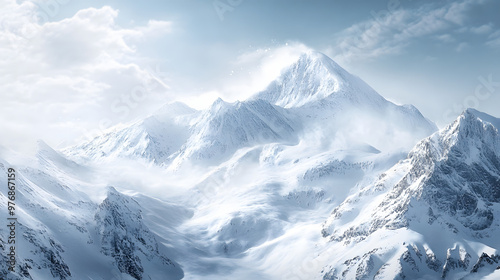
483,29
446,38
254,70
390,32
494,40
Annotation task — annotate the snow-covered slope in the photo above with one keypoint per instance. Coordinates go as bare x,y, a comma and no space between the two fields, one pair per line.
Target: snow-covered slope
125,238
313,78
325,95
155,138
242,190
63,233
440,206
224,128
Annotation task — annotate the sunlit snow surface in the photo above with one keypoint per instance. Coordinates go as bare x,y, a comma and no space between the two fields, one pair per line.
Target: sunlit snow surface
316,177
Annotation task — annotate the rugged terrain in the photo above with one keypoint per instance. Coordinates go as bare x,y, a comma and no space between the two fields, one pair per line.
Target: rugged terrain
315,177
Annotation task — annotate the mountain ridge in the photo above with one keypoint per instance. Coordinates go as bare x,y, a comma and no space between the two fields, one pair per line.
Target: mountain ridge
319,177
321,92
442,190
312,78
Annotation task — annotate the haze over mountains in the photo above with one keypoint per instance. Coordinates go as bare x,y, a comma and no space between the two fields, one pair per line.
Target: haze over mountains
315,177
314,95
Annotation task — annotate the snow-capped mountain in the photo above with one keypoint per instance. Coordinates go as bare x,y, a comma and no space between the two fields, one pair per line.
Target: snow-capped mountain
155,138
316,177
317,78
125,238
320,91
314,95
63,233
437,211
225,127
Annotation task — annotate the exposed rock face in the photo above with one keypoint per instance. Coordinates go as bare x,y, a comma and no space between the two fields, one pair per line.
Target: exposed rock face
125,237
266,173
62,234
454,173
450,182
486,261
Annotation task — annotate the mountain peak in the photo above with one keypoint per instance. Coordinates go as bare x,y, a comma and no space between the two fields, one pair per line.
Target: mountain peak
471,126
315,77
471,114
449,183
173,109
217,106
317,59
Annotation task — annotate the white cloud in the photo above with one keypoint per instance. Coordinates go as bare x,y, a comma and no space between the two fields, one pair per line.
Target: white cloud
494,40
154,28
254,70
62,79
446,38
201,101
455,12
483,29
397,29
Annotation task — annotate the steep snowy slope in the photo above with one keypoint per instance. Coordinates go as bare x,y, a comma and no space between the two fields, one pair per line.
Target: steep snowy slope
241,189
62,233
224,128
437,211
255,212
315,77
155,138
125,238
328,98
